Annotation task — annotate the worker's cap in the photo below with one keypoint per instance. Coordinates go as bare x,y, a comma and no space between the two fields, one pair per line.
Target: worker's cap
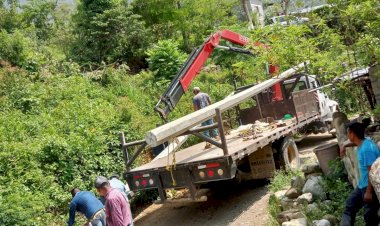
115,175
196,88
101,181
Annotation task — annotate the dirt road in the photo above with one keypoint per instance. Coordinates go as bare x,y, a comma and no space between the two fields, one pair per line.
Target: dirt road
235,205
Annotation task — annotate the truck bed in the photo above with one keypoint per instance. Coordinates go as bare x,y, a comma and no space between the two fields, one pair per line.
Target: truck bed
238,147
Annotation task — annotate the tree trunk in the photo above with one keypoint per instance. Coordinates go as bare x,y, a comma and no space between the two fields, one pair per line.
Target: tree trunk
185,36
285,6
247,13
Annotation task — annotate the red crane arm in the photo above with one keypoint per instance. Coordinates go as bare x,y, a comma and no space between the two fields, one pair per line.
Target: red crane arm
206,51
181,82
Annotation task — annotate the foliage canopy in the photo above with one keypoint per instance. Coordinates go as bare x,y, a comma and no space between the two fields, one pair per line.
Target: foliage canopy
72,77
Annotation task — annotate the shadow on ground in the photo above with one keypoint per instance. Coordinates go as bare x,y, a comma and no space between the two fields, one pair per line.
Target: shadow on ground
226,202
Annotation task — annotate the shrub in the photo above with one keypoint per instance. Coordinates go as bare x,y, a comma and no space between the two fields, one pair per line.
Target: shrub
14,47
165,59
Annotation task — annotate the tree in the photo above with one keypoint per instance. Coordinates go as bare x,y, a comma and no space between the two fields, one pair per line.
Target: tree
40,15
357,22
15,48
187,21
165,59
9,17
107,31
159,16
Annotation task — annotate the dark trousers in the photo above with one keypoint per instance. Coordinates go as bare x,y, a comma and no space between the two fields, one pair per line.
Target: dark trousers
354,203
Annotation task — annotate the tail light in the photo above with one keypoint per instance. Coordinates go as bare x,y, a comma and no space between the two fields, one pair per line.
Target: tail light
144,183
143,180
209,165
209,170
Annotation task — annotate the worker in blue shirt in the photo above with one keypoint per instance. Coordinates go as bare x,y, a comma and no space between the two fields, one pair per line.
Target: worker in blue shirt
86,203
363,195
118,184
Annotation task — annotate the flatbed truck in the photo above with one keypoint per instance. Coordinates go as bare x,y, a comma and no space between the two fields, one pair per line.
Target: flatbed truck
256,156
237,155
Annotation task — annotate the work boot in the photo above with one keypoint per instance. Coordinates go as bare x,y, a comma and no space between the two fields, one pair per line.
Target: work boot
208,145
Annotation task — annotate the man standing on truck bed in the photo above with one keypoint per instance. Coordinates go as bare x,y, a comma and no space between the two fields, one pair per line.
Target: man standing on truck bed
202,100
363,195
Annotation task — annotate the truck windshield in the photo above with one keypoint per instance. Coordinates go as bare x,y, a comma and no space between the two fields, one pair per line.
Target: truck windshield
301,85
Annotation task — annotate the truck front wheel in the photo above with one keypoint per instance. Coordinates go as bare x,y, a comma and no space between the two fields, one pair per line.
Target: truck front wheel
289,153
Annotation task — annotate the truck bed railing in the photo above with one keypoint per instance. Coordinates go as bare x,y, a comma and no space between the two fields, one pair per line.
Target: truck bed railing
222,144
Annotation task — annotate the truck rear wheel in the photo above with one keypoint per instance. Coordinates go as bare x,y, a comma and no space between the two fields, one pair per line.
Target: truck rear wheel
289,153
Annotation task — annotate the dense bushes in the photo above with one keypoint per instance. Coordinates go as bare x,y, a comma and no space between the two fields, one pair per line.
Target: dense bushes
61,131
58,133
15,48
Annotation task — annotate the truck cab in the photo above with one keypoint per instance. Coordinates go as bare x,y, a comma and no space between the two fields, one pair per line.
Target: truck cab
299,82
304,81
326,106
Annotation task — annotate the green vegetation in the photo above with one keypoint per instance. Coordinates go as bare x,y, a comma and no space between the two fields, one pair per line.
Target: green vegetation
274,208
165,59
72,77
282,179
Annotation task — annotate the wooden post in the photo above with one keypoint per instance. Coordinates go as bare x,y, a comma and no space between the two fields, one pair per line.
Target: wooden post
141,148
258,105
221,131
208,139
124,149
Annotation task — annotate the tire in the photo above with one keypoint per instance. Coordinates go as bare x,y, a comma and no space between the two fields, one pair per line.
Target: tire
289,153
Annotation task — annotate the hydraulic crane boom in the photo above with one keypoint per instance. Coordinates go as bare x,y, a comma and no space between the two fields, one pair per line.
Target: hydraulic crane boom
193,65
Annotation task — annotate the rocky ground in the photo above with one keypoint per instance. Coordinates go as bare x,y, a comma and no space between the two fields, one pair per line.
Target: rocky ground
228,204
306,194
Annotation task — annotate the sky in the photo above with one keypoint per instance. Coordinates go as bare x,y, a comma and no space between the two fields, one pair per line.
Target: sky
60,1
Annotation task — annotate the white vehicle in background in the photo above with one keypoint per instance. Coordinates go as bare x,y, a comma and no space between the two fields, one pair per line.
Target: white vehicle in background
291,20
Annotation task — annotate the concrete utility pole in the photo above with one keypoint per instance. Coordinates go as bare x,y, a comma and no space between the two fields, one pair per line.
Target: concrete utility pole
177,127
